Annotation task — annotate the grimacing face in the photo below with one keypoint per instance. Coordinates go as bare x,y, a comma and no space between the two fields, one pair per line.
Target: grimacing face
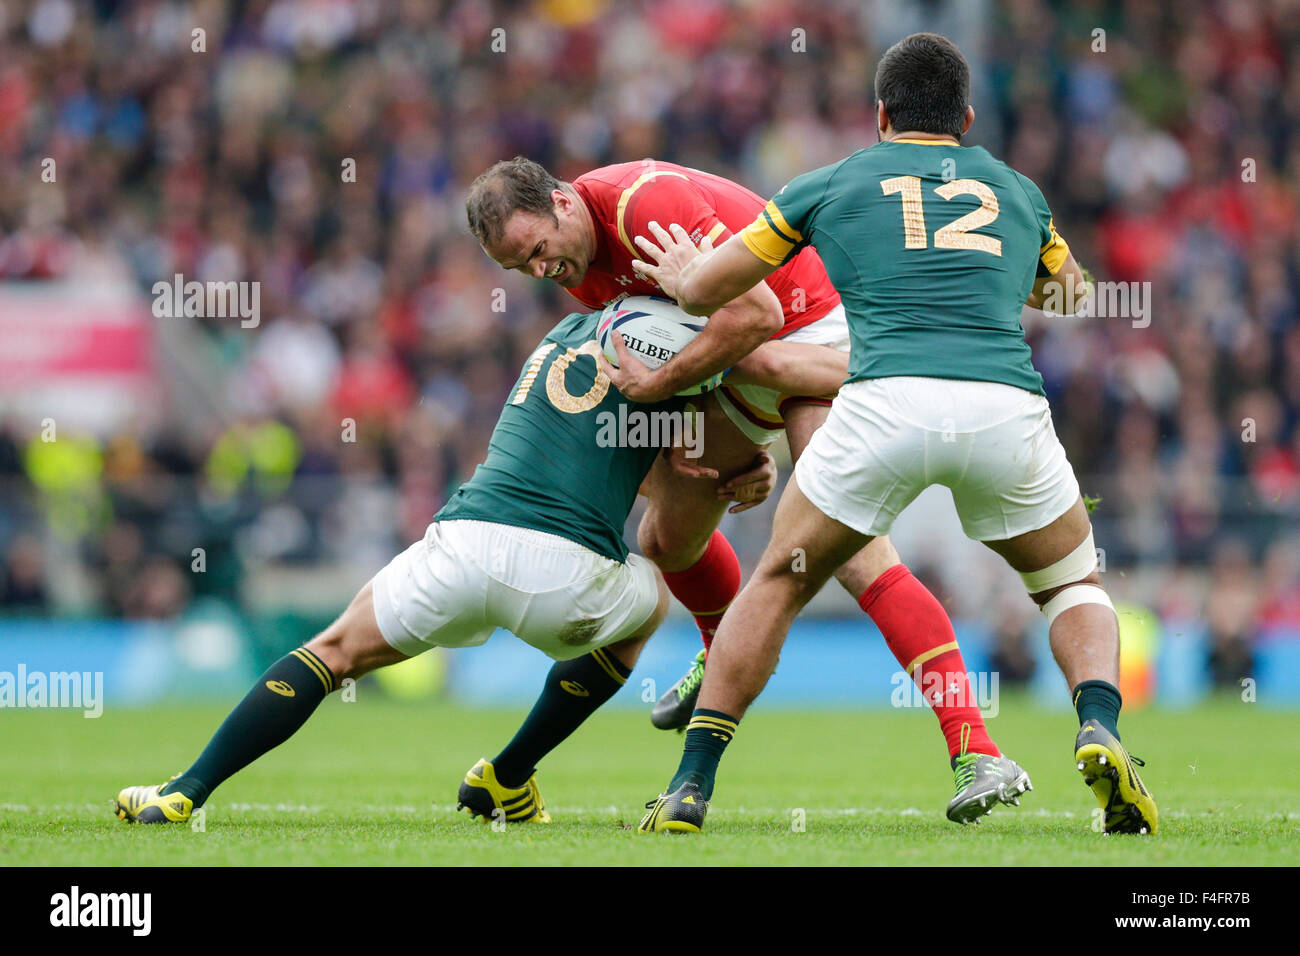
543,249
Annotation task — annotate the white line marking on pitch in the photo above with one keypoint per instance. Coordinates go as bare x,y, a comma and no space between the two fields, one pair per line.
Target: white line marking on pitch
409,809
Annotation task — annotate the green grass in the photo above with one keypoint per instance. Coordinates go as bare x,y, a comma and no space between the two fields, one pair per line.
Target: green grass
374,783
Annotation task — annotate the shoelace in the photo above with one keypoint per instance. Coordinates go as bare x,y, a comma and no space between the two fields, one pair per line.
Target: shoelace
965,769
691,682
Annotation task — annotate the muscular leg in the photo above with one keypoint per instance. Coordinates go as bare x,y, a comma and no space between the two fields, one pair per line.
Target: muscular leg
914,624
753,631
282,699
1085,637
1058,564
573,691
679,529
683,512
749,641
352,645
860,571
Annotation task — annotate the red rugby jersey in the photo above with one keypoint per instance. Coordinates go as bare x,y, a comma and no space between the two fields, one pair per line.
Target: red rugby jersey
624,198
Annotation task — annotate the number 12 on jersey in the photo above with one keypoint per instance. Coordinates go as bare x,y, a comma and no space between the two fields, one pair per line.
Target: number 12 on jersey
957,234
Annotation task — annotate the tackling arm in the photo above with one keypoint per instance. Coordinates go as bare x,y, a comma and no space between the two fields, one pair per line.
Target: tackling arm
702,280
1063,293
793,368
730,334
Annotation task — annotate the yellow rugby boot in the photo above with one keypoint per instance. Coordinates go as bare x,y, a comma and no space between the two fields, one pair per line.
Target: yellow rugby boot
148,805
681,811
1108,769
483,796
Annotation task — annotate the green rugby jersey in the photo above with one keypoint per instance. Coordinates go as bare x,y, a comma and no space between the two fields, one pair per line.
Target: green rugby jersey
933,248
554,462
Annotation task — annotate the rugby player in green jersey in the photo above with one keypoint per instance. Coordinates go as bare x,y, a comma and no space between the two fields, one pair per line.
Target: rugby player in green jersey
533,543
934,248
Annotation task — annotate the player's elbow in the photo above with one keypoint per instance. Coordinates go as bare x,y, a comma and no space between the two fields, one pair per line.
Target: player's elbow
773,320
690,301
755,324
762,316
764,364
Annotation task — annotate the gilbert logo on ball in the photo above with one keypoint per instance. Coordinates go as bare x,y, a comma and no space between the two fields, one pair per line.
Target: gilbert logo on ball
654,330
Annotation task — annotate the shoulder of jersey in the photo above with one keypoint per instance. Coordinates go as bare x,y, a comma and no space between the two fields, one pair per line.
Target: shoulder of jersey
612,175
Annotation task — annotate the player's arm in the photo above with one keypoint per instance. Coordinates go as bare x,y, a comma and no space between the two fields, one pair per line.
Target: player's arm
746,490
731,333
794,368
1063,293
1060,286
735,337
703,279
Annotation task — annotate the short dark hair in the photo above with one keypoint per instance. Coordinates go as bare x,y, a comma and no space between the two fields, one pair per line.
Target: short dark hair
510,186
924,82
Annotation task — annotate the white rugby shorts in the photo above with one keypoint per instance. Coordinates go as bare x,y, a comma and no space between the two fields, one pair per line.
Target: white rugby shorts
888,439
464,579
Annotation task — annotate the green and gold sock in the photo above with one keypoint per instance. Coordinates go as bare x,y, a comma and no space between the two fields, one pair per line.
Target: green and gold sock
707,736
573,691
278,704
1099,701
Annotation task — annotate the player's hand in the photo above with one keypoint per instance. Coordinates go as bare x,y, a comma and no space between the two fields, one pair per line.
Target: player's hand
752,487
633,378
686,466
673,254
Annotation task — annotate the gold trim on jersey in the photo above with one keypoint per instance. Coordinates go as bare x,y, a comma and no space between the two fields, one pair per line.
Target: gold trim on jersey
769,236
627,196
925,142
1054,252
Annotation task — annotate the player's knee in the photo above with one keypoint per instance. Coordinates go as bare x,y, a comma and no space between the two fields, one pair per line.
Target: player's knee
629,649
860,572
343,655
1086,591
787,580
329,647
1079,567
668,548
763,365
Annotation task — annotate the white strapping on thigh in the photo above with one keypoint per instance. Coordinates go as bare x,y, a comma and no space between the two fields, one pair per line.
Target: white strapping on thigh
1075,566
1073,597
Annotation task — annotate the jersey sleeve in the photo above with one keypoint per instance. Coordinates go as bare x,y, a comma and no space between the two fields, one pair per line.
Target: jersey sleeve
1053,249
781,229
666,196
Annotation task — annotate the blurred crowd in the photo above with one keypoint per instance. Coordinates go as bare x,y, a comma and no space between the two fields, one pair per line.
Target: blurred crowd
322,148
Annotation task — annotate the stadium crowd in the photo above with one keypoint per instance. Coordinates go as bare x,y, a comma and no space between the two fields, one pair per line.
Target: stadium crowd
322,148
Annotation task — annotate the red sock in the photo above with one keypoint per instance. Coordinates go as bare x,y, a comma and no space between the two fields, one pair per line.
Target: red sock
918,631
708,586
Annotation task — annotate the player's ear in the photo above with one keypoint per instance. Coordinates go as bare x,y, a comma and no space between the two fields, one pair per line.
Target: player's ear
970,118
561,202
882,119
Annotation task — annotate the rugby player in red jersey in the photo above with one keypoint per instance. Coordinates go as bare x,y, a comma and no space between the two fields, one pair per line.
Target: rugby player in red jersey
782,375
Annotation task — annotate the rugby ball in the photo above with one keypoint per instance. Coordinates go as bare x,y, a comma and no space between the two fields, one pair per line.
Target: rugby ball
654,330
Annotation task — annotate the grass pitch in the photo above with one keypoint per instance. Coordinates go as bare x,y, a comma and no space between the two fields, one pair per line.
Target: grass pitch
374,783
